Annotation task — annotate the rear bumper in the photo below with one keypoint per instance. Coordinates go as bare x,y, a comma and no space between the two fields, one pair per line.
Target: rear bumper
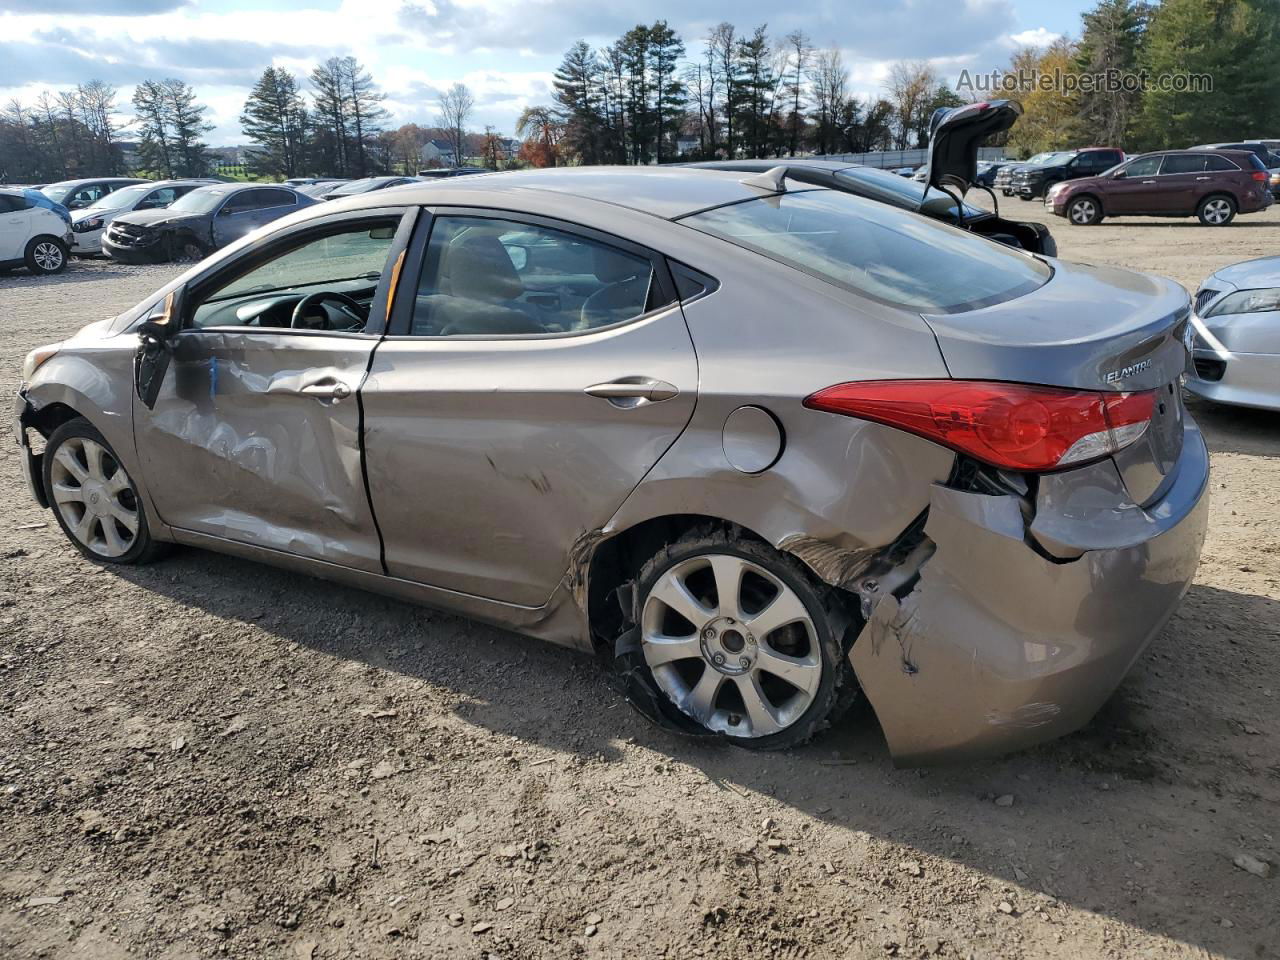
999,647
1247,379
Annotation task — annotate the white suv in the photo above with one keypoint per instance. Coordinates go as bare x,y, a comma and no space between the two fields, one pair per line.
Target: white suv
34,232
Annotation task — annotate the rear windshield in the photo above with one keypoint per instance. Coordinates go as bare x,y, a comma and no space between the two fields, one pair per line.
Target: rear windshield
890,255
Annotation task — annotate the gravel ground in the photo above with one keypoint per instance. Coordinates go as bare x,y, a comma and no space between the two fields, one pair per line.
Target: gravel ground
207,757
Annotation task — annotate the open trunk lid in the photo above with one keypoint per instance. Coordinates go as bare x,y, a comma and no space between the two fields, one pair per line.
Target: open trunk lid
955,134
1087,328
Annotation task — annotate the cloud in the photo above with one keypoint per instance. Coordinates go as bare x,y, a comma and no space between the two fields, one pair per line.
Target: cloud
96,8
1039,37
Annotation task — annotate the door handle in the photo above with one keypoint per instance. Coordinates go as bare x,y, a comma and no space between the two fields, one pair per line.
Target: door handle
327,389
1204,178
1148,181
633,388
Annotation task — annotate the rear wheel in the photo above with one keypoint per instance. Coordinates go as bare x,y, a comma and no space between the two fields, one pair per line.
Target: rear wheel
1084,211
1216,211
46,255
739,639
93,497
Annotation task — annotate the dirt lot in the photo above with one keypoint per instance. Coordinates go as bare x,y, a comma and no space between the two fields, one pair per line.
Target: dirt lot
211,758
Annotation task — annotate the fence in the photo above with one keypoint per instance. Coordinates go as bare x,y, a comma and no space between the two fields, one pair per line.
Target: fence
892,159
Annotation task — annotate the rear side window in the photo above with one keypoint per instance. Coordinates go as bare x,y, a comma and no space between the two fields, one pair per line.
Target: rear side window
1219,163
10,204
484,276
270,198
1183,163
890,255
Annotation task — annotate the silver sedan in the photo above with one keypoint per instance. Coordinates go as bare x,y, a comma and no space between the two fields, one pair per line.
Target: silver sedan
1235,336
761,446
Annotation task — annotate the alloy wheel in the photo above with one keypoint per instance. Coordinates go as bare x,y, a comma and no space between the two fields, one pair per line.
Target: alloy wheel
95,497
48,256
1083,211
731,645
1217,211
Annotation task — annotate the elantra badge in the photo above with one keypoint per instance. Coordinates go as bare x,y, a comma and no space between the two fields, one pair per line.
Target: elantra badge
1124,373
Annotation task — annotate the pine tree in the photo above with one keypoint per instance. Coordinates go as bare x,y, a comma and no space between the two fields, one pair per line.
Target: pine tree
580,96
670,96
1110,45
188,127
330,117
155,139
275,118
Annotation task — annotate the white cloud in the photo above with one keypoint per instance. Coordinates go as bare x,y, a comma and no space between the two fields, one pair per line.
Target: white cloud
1039,37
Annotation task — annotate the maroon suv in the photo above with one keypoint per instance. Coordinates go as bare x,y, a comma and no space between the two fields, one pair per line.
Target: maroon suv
1213,185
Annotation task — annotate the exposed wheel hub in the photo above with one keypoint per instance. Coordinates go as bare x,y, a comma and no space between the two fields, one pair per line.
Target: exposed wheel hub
728,646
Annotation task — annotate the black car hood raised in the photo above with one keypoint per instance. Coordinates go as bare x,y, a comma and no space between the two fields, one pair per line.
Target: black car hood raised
155,218
955,134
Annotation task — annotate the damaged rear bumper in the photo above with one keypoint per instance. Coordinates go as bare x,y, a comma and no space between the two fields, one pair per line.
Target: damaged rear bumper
1000,646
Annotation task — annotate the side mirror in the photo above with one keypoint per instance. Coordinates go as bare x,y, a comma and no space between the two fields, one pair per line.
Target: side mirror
151,360
1119,175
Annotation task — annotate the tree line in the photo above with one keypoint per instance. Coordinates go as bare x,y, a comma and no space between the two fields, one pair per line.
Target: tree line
649,98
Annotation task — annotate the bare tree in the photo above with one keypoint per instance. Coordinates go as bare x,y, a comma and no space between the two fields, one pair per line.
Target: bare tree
829,90
456,107
911,86
799,53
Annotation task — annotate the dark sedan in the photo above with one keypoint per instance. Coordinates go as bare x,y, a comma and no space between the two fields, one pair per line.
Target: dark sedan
366,185
200,222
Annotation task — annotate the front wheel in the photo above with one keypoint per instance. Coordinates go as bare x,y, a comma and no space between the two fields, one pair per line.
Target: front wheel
46,255
1216,211
186,249
93,497
1084,211
739,639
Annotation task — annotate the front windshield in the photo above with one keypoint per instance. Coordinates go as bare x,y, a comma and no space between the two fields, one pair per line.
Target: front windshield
903,192
870,248
122,199
200,200
58,192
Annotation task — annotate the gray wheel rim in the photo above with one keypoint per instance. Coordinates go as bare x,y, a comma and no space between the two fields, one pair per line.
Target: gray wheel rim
1217,211
94,496
48,256
732,643
1082,211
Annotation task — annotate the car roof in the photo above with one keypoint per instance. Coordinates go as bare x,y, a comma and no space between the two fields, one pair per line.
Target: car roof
70,183
667,192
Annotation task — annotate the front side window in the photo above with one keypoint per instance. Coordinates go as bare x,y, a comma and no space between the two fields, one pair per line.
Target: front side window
489,277
1143,167
346,261
890,255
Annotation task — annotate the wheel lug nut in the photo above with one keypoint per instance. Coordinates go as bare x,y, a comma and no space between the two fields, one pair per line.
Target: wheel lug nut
719,659
709,633
744,661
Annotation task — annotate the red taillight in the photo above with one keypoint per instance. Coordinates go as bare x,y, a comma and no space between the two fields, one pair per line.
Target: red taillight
1260,176
1008,425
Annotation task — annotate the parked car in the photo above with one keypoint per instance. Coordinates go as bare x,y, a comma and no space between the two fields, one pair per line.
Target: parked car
78,194
319,188
1004,176
1274,176
764,446
448,172
1033,181
34,232
987,170
198,222
366,185
1234,337
1259,148
957,137
1213,185
89,224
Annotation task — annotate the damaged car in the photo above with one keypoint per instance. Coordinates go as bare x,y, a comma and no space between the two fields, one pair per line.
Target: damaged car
763,447
938,189
198,222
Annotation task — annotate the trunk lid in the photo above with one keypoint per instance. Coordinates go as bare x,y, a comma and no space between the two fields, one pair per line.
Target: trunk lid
1087,328
955,134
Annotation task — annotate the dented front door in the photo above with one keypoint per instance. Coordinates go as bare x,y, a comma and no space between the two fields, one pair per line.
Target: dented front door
255,437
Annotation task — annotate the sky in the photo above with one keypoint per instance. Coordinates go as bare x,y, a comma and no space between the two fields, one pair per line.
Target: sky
506,51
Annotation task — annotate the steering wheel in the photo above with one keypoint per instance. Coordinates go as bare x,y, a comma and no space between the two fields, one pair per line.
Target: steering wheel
300,321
